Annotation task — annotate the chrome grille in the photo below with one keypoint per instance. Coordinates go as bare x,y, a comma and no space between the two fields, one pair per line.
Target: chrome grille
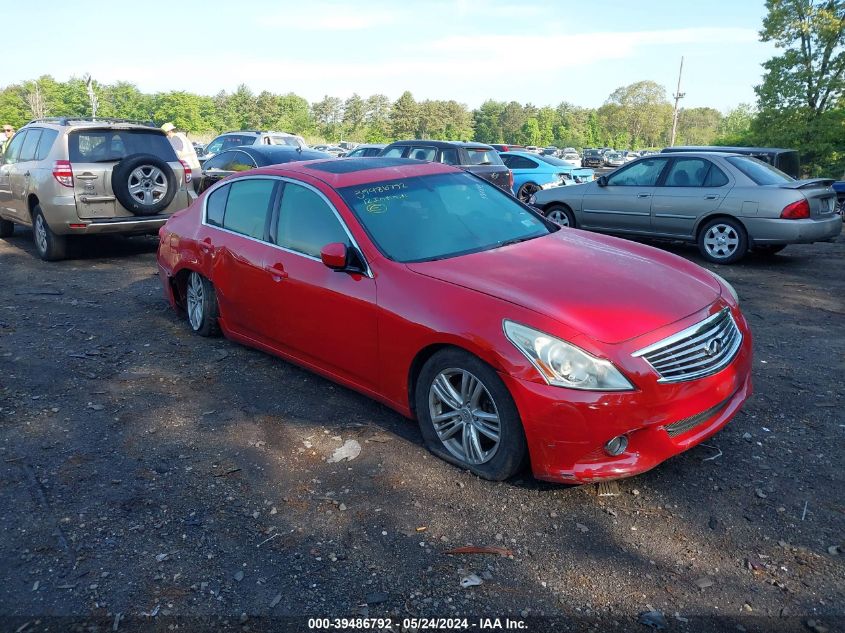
700,350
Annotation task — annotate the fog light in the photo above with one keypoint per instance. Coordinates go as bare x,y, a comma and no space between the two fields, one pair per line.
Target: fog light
617,445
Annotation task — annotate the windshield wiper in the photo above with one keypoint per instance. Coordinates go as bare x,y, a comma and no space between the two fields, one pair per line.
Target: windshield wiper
516,240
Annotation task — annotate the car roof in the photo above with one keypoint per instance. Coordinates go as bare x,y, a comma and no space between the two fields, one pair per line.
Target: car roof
274,152
346,172
724,150
441,144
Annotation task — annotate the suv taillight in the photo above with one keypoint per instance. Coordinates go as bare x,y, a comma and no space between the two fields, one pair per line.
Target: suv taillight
63,173
796,211
188,173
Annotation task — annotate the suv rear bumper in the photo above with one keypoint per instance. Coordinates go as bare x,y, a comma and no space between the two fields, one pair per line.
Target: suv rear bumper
126,226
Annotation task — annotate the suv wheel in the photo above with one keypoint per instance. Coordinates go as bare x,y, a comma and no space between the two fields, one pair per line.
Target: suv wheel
50,247
6,228
144,184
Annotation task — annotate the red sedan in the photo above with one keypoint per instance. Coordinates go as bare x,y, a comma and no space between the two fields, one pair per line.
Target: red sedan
448,300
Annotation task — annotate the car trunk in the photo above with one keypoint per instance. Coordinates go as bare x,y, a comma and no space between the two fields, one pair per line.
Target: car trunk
819,193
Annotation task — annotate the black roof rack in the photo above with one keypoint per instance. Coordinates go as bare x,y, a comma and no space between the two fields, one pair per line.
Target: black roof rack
65,120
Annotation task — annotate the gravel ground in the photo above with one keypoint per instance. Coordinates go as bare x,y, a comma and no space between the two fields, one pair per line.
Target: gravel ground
149,478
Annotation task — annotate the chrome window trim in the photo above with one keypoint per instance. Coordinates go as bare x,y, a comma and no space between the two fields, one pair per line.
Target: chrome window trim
223,183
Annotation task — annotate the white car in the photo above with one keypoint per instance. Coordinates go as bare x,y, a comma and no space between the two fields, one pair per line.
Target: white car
571,158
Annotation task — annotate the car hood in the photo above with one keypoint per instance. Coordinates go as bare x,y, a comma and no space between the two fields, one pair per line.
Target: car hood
606,288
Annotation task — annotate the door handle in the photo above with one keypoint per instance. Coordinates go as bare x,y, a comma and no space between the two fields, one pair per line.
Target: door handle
277,271
711,197
643,195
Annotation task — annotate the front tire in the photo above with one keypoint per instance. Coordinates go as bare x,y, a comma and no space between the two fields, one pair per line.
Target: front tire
201,305
49,246
561,215
468,417
723,241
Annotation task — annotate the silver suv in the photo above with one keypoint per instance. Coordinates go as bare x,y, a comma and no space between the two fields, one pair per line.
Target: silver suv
66,177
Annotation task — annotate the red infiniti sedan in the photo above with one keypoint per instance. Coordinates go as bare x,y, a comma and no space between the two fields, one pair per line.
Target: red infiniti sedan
448,300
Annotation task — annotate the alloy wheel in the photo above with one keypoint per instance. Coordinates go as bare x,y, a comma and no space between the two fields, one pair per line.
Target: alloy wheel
40,233
464,416
195,298
527,190
147,184
721,241
558,217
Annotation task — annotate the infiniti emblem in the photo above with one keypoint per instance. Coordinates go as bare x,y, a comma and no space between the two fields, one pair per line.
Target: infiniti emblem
713,347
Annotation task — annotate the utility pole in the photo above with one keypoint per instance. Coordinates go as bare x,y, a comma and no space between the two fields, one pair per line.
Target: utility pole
92,96
678,96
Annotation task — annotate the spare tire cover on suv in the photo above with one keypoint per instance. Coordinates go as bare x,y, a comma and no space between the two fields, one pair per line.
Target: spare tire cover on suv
144,184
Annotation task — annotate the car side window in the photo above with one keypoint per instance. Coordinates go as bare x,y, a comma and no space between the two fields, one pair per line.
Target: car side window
215,206
30,145
644,173
219,162
395,152
354,153
306,222
422,153
687,172
13,150
519,162
450,157
241,161
248,205
48,137
715,177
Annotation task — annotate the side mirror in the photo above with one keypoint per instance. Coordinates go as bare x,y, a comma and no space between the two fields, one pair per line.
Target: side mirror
334,255
601,181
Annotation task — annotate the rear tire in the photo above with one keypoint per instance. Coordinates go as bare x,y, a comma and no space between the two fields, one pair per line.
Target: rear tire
201,305
468,417
49,246
527,190
722,241
7,228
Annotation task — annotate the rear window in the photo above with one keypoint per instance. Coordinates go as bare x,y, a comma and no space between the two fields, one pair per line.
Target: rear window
758,171
101,146
788,163
284,140
552,160
483,156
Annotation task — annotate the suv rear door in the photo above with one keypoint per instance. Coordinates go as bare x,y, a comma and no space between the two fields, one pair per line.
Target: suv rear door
486,162
93,153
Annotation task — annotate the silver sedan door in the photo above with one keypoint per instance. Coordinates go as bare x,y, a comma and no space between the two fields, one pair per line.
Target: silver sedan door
693,188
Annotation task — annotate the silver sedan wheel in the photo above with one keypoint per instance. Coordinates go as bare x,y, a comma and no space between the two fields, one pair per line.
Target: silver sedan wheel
558,217
40,233
464,416
721,241
196,294
147,184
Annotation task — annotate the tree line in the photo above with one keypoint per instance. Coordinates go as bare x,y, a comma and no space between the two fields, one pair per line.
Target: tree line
800,104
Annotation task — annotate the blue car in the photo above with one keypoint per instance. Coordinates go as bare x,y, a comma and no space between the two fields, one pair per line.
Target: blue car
533,172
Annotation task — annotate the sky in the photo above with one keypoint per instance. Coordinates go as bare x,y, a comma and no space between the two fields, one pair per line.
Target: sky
531,51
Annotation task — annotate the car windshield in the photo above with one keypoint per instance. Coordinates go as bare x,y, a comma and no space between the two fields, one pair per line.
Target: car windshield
551,160
758,171
439,216
107,145
483,156
222,143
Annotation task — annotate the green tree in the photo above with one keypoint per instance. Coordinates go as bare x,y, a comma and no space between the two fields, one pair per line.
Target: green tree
377,119
636,115
487,122
698,126
404,116
800,100
735,127
354,111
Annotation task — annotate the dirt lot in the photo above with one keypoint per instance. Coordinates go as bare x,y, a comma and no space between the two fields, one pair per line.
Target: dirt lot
149,477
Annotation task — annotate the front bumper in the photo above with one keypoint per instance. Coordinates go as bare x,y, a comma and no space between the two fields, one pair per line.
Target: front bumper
567,429
777,231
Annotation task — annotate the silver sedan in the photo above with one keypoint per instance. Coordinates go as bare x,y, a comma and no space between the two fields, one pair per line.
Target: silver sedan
726,203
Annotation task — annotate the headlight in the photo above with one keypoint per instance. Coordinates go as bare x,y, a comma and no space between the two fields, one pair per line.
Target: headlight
727,285
563,364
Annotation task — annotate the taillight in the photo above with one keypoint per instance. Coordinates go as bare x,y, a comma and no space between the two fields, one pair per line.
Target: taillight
63,173
796,211
510,179
188,173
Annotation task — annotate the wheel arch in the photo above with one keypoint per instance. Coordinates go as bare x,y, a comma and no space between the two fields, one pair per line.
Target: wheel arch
701,222
32,201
